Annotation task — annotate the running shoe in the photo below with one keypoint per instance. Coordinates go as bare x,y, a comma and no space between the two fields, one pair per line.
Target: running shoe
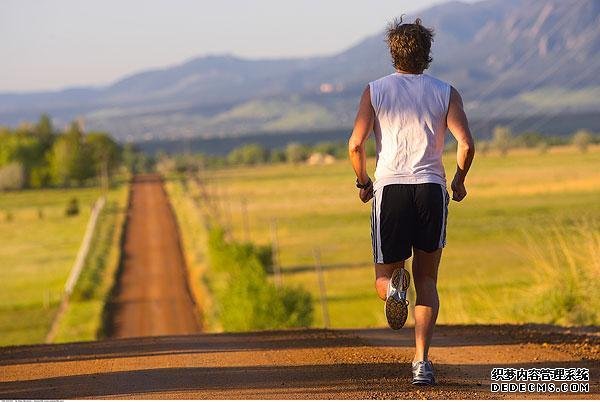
423,373
396,305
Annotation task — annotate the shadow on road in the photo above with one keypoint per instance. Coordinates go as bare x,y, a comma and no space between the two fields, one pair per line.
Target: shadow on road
446,336
347,379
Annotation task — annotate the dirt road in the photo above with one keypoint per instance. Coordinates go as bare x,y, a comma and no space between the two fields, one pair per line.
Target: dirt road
153,297
309,364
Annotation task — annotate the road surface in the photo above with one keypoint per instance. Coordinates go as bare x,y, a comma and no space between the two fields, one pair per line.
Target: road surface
153,296
369,363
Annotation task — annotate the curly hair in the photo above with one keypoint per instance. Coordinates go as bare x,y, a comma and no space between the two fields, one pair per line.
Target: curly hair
409,45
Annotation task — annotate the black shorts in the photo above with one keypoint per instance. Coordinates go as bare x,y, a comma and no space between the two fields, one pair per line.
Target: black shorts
406,216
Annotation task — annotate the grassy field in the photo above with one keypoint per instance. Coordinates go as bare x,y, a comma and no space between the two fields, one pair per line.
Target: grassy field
488,272
38,245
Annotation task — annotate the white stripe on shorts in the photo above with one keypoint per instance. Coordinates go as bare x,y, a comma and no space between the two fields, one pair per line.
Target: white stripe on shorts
445,200
378,252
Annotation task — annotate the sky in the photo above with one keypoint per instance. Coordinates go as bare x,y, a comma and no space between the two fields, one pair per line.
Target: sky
53,44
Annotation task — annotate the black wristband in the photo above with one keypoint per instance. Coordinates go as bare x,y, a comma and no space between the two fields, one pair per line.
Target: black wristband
363,186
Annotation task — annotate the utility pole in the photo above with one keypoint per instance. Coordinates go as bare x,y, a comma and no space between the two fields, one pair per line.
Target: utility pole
275,253
245,222
322,290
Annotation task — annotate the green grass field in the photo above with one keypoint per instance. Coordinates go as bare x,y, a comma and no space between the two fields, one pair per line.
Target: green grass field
487,274
38,245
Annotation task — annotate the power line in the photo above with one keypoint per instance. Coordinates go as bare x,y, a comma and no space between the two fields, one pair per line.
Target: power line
543,120
495,84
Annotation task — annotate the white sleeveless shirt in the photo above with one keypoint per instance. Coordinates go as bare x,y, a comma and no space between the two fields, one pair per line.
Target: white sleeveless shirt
410,127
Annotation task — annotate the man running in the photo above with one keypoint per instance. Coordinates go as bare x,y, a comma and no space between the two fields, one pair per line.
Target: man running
409,112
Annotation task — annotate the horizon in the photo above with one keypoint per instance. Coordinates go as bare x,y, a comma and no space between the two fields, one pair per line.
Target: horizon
95,66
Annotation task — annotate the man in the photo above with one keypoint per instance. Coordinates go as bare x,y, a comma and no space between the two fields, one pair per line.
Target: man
409,113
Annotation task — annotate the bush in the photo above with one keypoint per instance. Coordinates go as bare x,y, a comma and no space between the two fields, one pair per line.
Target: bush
582,139
72,208
12,177
244,298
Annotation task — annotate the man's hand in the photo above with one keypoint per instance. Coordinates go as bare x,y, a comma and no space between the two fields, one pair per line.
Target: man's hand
363,125
458,189
365,194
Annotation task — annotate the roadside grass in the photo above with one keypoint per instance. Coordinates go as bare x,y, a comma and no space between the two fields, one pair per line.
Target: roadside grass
567,263
194,238
83,318
244,297
484,276
38,245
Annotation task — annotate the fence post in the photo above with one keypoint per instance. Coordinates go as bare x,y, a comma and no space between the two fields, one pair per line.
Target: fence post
322,290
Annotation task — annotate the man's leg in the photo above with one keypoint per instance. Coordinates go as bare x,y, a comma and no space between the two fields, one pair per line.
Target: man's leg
383,274
425,270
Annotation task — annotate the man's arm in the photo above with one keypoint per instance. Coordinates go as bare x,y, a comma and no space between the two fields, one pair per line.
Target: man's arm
363,125
459,127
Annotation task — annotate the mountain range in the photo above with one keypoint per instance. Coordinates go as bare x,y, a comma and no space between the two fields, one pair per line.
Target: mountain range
506,57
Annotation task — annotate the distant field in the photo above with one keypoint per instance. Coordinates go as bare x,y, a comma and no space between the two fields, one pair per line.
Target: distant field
486,273
38,245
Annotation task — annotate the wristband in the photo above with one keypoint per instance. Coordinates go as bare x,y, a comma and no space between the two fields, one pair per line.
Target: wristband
364,186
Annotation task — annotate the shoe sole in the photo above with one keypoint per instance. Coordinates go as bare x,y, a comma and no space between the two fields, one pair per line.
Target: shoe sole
396,312
423,383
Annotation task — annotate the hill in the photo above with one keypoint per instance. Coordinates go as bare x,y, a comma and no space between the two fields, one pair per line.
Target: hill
513,57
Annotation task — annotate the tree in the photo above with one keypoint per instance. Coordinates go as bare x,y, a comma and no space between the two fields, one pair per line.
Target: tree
46,157
531,139
582,139
71,159
502,139
277,156
250,154
105,155
483,147
44,131
61,161
24,147
295,152
325,147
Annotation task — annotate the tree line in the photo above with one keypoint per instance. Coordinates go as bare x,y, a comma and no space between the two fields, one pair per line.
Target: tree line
502,141
38,155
